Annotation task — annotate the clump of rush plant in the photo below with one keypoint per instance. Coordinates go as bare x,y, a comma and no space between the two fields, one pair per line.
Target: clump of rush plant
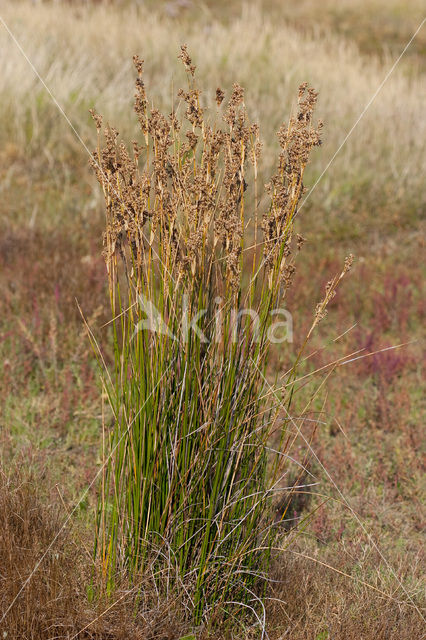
188,483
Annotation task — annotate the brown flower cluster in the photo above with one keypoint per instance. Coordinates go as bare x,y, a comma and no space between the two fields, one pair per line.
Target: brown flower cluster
286,187
178,200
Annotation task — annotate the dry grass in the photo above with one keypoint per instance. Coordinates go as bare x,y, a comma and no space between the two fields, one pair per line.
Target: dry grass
54,604
314,600
95,69
379,27
376,26
47,607
322,604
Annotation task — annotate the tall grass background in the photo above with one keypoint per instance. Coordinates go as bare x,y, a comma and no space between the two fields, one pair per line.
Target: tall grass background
96,70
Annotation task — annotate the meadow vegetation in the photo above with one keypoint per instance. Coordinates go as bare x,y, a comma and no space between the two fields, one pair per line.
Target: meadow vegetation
363,420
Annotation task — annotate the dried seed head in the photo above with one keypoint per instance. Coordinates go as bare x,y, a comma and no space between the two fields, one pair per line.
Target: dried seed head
220,95
187,204
141,102
237,96
184,56
348,263
300,241
97,118
235,103
192,139
288,274
138,64
286,187
194,112
320,312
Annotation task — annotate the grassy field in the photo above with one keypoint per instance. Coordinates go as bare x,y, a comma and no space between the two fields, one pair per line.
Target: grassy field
352,565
